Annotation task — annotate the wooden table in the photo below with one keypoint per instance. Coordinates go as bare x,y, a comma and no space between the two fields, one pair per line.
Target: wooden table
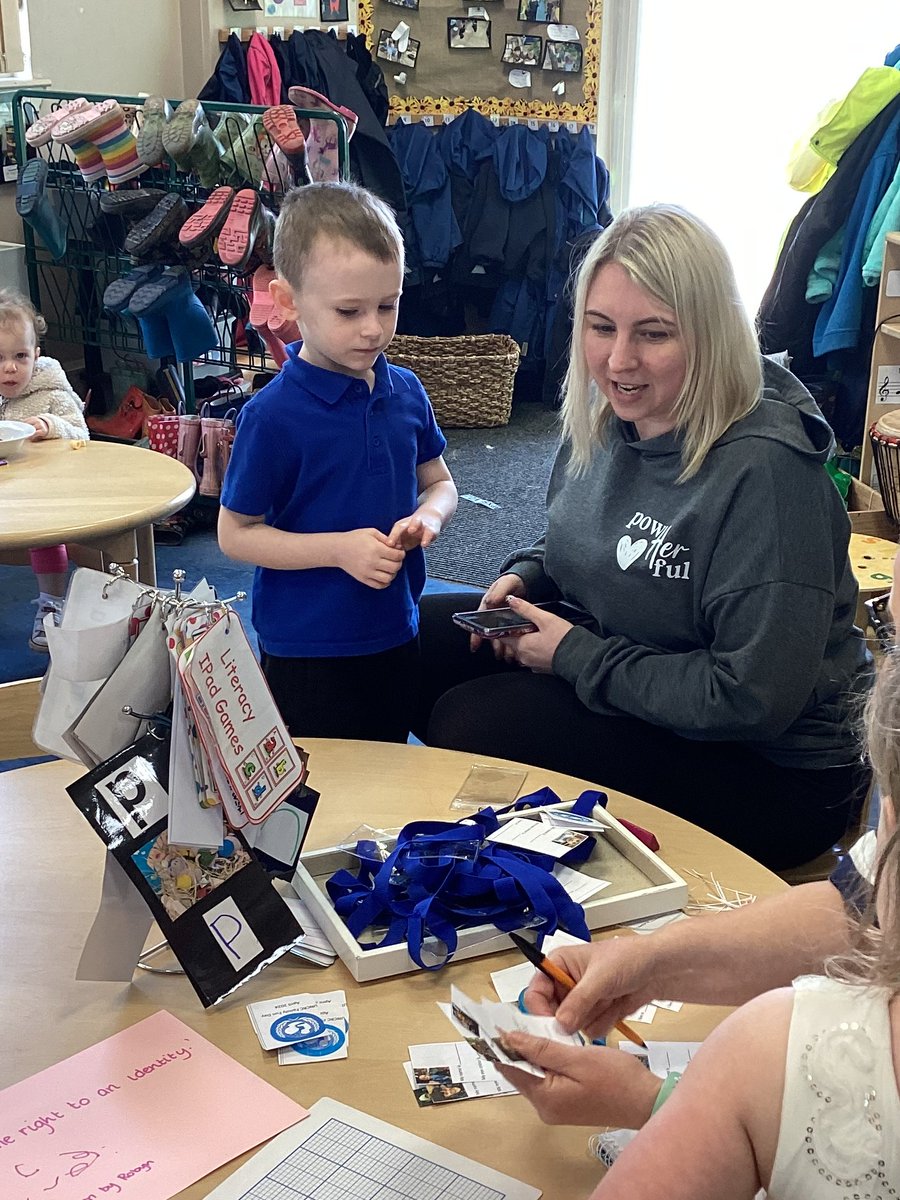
103,495
50,868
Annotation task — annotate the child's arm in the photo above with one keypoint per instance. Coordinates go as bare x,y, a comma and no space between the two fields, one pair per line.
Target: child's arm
63,419
717,1134
60,412
366,554
437,504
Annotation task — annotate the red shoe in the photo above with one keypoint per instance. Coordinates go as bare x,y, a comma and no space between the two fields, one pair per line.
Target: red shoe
127,422
208,220
242,226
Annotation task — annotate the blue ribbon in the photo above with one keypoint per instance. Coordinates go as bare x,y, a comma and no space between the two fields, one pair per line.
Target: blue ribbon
444,876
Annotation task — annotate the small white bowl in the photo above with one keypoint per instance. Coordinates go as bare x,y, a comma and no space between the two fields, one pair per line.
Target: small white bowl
14,437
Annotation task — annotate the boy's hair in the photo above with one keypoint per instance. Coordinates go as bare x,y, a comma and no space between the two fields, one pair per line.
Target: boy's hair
338,212
16,307
679,261
874,957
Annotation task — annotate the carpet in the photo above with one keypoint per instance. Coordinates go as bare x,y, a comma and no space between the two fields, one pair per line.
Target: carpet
510,467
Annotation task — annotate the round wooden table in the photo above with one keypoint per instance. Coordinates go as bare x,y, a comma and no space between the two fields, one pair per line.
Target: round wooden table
103,495
50,868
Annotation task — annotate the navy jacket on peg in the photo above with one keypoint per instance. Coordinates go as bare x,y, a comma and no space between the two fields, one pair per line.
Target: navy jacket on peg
370,75
430,231
229,84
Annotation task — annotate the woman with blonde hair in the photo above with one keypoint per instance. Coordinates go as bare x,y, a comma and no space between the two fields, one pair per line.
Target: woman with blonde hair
689,516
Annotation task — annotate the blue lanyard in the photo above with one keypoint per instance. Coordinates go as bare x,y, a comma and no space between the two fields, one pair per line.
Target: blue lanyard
444,876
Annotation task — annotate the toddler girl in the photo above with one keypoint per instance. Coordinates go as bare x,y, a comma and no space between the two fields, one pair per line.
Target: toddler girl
36,391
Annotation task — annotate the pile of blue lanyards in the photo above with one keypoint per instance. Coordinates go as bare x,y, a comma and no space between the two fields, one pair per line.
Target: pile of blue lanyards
445,876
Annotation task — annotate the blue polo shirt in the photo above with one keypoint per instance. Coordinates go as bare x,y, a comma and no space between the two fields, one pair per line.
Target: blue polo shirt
317,452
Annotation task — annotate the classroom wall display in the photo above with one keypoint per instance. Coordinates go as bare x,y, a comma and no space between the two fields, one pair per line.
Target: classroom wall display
468,33
333,10
446,82
389,50
562,56
546,12
523,50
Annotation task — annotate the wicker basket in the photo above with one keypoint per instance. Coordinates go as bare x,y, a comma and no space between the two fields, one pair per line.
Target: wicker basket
469,379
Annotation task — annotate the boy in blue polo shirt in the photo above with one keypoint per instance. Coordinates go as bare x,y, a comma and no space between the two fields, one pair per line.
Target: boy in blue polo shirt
336,482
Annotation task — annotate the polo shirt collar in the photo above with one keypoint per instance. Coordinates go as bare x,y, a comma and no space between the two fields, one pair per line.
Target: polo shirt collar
332,386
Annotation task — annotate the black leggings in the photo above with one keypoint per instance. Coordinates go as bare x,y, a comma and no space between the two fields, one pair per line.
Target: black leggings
367,696
781,816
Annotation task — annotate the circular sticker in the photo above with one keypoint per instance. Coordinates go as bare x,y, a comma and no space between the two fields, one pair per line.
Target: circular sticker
330,1039
296,1027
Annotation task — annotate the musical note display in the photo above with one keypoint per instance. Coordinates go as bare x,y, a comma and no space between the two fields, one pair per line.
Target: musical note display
887,386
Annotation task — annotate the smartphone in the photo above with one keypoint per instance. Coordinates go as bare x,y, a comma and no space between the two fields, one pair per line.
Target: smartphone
504,622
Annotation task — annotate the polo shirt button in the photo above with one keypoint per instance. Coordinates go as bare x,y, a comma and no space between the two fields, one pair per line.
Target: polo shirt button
376,441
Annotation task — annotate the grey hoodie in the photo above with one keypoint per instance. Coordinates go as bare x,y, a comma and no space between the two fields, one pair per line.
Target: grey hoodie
724,605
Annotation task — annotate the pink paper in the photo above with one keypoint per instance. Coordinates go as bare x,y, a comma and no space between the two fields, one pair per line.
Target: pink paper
141,1116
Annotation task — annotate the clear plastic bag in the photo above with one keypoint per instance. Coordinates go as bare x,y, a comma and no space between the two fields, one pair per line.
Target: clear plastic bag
488,787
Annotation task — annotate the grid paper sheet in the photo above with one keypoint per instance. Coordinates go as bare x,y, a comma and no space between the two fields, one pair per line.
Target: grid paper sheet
339,1153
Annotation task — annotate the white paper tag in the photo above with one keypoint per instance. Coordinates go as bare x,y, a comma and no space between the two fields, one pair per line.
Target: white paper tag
235,29
562,33
512,120
572,126
278,31
495,118
405,119
428,121
448,117
533,124
519,78
553,126
537,837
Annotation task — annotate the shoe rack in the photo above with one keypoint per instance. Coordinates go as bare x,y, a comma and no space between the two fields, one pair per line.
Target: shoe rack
69,289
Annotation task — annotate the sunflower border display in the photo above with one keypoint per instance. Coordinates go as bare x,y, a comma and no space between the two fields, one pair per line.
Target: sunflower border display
439,106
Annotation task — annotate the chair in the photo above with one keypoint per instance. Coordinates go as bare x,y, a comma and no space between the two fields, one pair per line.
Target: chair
821,868
18,706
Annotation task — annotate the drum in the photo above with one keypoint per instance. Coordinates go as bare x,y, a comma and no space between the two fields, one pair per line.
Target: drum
885,438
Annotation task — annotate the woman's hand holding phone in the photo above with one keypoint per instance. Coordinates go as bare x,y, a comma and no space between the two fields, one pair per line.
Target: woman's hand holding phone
497,596
535,650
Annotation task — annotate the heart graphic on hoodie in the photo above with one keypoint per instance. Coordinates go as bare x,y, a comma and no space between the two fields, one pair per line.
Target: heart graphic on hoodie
628,551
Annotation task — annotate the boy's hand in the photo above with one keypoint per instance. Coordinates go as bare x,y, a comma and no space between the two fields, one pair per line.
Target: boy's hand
421,529
367,555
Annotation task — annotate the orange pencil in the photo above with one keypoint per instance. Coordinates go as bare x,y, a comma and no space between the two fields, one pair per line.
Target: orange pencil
552,971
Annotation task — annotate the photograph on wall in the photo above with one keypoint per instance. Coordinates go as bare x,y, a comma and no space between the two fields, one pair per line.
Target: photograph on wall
523,50
542,12
390,51
404,3
562,56
468,33
333,10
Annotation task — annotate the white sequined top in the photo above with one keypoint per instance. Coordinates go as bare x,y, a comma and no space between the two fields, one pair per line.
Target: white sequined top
839,1137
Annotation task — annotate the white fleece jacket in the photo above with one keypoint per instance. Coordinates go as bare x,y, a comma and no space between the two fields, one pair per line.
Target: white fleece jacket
49,395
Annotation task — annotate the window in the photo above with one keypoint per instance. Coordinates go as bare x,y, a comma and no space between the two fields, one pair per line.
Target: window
15,46
720,94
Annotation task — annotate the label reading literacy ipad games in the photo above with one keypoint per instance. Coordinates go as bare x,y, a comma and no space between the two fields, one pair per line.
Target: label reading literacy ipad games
251,740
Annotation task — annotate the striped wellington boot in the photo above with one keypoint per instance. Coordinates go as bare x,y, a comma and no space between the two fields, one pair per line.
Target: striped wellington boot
104,125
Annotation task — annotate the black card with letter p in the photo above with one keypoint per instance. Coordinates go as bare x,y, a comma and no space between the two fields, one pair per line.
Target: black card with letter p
216,907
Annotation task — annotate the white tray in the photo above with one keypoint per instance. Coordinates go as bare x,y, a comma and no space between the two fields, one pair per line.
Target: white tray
641,885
